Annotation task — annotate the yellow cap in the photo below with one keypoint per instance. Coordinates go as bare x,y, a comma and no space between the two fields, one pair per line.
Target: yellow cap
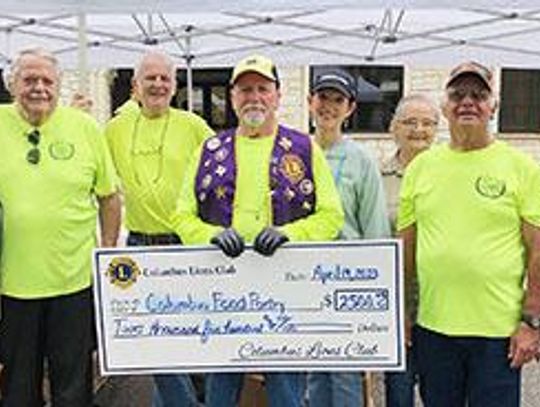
258,64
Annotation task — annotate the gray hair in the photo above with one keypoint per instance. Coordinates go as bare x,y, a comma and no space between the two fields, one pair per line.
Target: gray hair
13,70
416,98
158,55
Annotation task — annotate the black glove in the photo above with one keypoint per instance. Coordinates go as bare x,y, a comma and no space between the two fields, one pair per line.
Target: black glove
230,242
268,241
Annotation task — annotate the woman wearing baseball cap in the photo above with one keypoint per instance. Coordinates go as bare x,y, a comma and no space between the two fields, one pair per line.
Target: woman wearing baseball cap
356,174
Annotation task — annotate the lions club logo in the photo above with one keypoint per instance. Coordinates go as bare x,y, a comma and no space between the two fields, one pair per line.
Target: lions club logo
62,150
292,167
490,187
123,272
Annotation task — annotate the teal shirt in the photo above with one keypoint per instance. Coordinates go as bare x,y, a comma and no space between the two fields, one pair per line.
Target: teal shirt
360,187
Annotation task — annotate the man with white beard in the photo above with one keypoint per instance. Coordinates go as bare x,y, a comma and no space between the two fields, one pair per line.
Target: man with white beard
263,183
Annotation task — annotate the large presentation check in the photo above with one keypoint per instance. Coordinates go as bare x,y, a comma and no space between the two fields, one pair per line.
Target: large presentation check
331,306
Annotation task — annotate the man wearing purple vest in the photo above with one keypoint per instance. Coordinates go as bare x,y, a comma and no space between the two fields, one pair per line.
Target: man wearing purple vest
263,183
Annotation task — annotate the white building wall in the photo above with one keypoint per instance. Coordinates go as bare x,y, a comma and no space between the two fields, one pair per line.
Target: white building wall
294,90
96,84
294,109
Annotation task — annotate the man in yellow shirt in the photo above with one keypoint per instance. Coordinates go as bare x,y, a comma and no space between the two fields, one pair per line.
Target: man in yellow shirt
56,176
469,215
151,147
263,183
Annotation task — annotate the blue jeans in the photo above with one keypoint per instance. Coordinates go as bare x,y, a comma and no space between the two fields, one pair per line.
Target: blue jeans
455,371
171,390
282,389
399,386
174,390
335,389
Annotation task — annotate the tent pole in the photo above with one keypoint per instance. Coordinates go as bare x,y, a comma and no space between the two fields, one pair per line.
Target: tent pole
83,54
7,53
189,74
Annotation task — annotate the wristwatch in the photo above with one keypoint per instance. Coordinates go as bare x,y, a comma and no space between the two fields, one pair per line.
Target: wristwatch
532,321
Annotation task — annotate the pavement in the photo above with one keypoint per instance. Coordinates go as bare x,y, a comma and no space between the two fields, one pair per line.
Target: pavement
124,391
530,386
136,391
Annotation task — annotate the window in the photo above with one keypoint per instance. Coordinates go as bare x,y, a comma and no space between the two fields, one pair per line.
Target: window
210,94
379,87
120,87
520,101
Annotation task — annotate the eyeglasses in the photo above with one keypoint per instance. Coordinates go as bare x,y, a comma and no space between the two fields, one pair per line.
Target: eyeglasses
33,155
478,95
414,123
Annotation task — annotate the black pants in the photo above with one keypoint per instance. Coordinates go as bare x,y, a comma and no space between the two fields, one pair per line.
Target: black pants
160,239
60,329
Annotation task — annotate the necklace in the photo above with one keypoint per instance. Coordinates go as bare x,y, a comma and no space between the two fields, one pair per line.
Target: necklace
136,151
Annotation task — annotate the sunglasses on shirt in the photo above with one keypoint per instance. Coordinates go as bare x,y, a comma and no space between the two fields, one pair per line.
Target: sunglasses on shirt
33,155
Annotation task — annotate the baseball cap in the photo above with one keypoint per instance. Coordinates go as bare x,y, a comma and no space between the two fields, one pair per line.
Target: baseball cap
471,68
338,80
258,64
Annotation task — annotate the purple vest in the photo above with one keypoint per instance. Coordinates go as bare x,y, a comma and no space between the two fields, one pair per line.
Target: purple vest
291,178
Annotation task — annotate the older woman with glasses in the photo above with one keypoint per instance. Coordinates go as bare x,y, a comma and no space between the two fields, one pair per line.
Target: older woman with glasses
413,127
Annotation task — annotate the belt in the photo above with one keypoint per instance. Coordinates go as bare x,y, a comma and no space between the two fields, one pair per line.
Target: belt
158,239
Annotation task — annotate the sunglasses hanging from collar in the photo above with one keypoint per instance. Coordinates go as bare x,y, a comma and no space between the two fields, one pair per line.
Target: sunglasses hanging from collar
33,156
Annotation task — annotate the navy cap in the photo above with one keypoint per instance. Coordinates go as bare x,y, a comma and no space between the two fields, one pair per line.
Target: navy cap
338,80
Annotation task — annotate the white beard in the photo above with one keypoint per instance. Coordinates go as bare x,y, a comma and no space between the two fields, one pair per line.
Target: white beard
253,118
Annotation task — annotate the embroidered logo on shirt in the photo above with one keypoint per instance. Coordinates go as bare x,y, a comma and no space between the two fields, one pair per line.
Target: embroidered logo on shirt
61,150
490,187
